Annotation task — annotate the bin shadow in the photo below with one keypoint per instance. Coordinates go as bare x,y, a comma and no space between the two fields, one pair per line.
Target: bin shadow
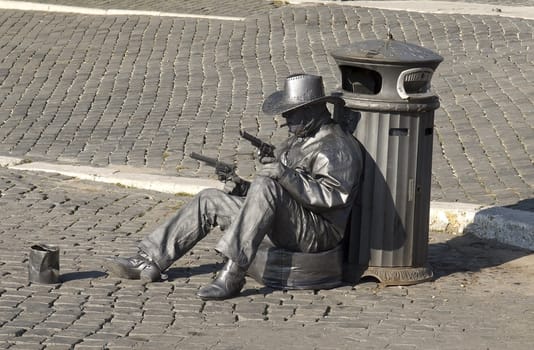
468,253
375,229
525,205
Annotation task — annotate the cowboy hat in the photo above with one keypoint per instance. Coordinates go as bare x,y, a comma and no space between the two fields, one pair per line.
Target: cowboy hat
299,90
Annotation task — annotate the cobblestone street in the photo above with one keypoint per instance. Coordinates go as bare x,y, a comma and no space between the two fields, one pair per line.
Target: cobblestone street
482,296
146,91
143,91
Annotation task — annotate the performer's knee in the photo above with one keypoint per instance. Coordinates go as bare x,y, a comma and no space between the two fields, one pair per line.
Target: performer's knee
263,181
208,193
209,196
263,185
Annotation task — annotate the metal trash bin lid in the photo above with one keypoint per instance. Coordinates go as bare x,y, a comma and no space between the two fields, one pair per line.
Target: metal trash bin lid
386,51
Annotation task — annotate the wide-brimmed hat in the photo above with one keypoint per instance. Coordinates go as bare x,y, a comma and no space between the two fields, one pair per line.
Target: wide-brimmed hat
299,90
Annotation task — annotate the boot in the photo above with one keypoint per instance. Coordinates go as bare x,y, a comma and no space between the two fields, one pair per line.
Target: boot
228,283
134,268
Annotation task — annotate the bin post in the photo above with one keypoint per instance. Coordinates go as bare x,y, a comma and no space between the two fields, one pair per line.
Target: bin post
387,84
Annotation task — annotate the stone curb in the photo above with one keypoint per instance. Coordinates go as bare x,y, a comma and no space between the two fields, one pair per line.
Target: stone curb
440,7
509,226
125,176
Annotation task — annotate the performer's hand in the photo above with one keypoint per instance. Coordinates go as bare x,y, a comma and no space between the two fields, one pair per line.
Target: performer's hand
274,170
267,160
229,186
236,186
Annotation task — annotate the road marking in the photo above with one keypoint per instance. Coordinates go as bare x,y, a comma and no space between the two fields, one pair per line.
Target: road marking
32,6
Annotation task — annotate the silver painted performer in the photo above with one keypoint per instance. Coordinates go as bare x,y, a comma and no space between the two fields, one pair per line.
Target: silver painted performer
301,198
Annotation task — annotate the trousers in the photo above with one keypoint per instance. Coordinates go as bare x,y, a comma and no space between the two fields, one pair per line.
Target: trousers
267,210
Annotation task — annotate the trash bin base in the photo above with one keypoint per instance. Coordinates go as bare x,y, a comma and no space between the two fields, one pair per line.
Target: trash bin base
399,276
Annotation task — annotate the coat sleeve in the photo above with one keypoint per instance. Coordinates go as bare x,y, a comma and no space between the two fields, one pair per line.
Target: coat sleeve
328,184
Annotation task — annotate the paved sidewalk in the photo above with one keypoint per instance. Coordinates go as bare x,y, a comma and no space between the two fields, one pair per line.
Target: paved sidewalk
481,297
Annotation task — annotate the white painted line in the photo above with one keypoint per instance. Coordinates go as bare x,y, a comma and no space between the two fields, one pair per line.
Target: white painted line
33,6
125,176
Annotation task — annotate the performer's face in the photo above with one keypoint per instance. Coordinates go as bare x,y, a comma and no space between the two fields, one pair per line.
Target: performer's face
297,119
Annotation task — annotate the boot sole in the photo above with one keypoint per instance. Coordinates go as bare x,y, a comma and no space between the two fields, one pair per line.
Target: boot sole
224,297
118,270
218,298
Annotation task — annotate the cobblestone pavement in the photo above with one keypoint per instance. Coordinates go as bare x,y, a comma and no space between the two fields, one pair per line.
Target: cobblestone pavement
481,297
146,91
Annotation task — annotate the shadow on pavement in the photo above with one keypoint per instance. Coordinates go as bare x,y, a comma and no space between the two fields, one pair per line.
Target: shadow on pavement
468,253
447,255
80,275
176,273
526,205
185,272
250,291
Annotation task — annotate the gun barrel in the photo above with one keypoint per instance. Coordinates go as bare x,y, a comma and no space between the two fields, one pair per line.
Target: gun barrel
222,166
254,140
205,159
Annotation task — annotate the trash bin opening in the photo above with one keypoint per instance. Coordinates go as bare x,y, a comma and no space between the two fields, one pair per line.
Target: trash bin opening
42,248
360,80
414,82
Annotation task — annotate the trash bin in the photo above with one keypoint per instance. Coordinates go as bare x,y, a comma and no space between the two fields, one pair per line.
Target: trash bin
386,85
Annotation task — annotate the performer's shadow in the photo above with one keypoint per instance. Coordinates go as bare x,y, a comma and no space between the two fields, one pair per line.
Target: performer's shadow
259,290
251,288
181,272
80,275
